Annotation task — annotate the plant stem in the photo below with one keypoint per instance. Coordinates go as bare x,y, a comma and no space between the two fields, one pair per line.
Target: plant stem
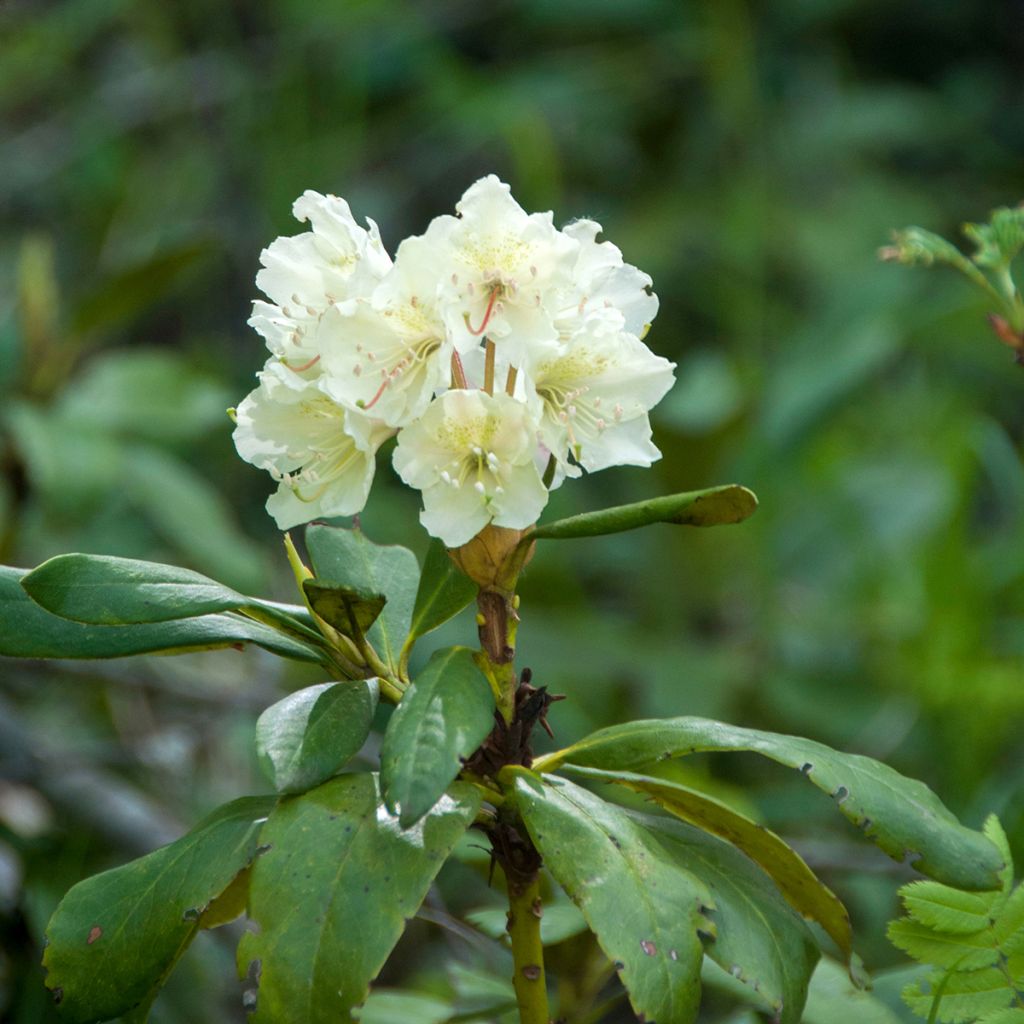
524,913
497,624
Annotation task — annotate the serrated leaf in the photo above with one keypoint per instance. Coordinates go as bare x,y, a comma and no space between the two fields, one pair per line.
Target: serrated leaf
966,952
966,996
1014,1015
902,816
759,939
114,937
29,631
947,909
795,880
349,610
645,909
331,895
313,733
104,590
712,507
443,717
442,593
1000,240
349,559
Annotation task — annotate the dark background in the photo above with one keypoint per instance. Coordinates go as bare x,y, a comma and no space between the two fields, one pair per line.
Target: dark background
751,157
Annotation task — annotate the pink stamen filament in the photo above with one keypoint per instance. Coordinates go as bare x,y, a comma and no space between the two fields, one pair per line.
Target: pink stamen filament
487,316
304,366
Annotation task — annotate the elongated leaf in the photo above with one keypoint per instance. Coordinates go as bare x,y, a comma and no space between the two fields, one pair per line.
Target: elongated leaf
443,717
795,880
312,734
443,592
114,937
349,610
331,895
28,631
903,816
832,999
758,937
347,558
104,590
712,507
967,995
645,909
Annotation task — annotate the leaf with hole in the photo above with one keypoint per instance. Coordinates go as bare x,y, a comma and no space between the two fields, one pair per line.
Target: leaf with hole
902,816
804,891
115,937
647,911
759,939
332,894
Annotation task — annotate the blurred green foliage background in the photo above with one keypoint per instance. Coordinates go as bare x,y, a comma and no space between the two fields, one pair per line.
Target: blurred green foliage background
751,156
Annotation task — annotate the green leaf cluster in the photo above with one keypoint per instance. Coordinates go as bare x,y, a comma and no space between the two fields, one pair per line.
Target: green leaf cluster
975,943
997,243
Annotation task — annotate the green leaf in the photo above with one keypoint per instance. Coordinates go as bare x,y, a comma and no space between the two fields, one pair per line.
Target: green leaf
915,246
1014,1015
115,937
1001,240
646,911
795,880
313,733
349,610
712,507
384,1007
758,938
331,895
104,590
832,999
561,920
966,996
964,951
28,631
903,816
444,716
948,910
443,592
349,559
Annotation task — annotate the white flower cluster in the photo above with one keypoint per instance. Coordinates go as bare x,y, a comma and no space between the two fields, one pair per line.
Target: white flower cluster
503,352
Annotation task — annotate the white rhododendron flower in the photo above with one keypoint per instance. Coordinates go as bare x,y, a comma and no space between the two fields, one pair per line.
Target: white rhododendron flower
506,354
321,454
472,456
594,393
305,275
505,268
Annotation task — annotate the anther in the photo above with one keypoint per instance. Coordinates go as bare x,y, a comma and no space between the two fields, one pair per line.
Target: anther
479,487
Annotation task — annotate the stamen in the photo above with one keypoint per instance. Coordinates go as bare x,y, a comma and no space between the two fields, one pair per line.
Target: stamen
304,366
489,368
380,391
479,487
487,316
510,382
458,373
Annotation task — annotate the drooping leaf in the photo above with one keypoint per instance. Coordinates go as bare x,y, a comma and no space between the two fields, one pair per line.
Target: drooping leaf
442,593
712,507
647,911
444,716
313,733
104,590
348,558
29,631
759,939
331,895
349,610
903,816
795,880
115,937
